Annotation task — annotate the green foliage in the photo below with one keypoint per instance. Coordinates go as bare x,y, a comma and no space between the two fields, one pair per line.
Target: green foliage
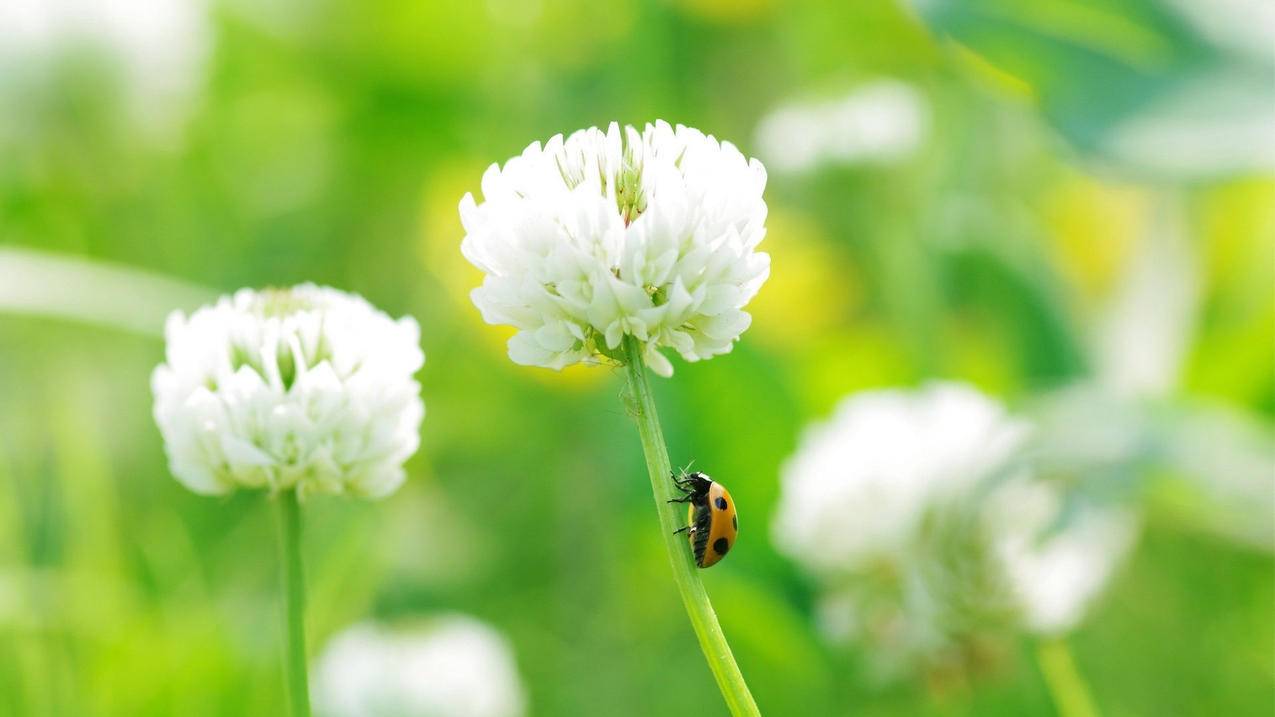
332,143
1107,71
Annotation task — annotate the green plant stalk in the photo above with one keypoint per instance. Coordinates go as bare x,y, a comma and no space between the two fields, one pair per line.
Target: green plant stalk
288,521
672,516
1066,686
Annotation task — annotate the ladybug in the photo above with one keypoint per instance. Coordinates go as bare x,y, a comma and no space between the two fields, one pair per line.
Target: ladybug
713,523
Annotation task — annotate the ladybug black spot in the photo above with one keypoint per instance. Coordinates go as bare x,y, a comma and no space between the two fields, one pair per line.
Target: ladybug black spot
734,522
720,546
720,503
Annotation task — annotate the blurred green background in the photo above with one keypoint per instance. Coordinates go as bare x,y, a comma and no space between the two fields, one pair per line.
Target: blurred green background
161,149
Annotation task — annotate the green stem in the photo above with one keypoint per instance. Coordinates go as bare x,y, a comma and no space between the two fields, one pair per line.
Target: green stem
288,514
698,607
1070,693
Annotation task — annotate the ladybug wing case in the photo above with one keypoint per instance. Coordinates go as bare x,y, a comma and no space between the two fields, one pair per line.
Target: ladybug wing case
700,518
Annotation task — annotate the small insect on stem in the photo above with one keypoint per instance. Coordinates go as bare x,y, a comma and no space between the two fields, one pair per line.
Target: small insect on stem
713,522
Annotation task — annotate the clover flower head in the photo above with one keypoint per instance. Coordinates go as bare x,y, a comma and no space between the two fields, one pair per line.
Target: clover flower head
883,122
1055,572
308,388
930,536
453,666
860,483
601,235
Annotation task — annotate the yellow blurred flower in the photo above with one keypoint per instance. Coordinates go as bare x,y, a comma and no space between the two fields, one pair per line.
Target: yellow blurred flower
811,291
1094,227
1233,353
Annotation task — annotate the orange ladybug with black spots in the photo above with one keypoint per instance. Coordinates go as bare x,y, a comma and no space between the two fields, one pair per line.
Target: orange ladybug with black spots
712,521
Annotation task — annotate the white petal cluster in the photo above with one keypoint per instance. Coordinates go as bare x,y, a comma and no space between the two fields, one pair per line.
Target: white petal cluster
929,490
1055,575
455,666
601,235
307,387
859,484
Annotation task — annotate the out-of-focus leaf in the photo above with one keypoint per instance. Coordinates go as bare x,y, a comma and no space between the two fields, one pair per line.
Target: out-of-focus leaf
1147,327
36,282
1208,466
1138,83
1227,463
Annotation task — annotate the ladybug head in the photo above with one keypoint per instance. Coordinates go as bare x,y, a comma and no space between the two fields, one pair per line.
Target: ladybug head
698,482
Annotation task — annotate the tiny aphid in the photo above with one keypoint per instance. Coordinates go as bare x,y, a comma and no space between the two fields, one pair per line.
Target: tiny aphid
713,523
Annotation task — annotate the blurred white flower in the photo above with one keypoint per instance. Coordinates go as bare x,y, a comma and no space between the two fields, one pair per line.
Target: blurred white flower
158,46
454,666
307,387
879,123
919,518
859,483
651,234
1055,573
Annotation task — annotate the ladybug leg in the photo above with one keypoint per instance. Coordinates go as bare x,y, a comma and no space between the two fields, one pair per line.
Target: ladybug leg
689,528
685,487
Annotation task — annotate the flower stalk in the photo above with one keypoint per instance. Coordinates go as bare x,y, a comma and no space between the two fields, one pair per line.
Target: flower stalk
288,521
698,607
1067,687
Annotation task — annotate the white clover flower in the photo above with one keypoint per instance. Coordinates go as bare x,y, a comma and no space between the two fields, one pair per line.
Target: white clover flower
883,122
925,529
307,387
158,47
1055,574
454,666
860,483
651,234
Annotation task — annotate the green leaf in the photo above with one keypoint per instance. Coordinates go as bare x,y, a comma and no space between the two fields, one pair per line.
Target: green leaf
1154,87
